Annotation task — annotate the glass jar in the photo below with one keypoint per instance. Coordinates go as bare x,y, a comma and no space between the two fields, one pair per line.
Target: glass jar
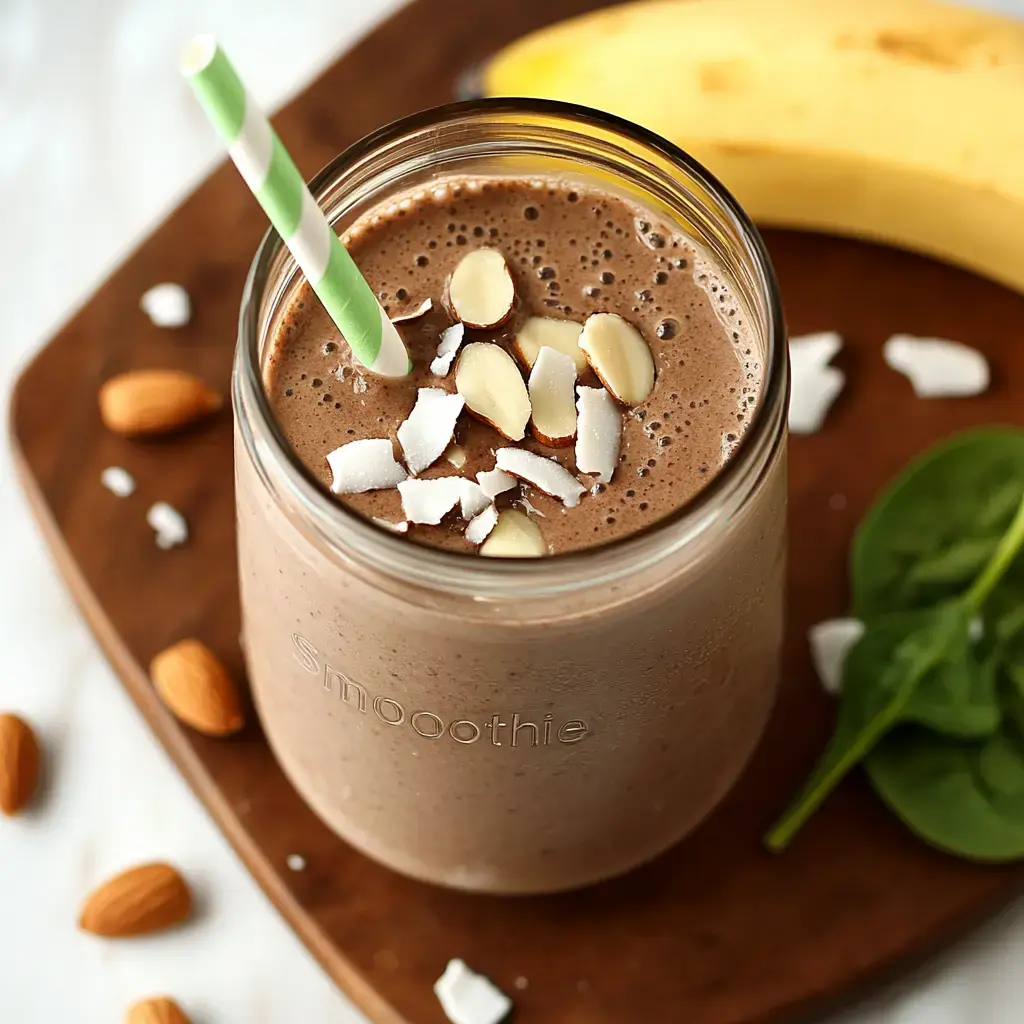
514,726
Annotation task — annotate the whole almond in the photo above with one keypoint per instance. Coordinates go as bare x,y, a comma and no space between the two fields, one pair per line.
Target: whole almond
160,1010
19,764
155,401
197,688
140,900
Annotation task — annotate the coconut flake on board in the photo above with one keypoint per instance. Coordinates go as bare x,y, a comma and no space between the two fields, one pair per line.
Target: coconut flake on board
815,385
598,433
830,641
428,431
118,481
552,387
937,368
167,305
448,346
422,309
481,525
366,465
470,998
169,525
545,474
429,501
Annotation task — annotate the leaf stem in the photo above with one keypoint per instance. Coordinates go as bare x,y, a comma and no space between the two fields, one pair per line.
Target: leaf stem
1007,550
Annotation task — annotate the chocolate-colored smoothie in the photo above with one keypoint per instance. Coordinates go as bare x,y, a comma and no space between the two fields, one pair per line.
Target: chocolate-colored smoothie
572,252
518,725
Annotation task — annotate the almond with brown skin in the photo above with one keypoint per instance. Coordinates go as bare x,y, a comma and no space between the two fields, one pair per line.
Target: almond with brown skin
193,683
19,764
144,899
160,1010
143,402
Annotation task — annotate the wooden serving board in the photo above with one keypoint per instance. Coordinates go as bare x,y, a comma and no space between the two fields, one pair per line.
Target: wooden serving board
715,932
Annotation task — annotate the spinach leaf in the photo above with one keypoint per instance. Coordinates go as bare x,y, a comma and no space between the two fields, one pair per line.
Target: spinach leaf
964,798
932,530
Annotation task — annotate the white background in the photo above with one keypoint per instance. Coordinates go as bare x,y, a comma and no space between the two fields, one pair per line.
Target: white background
98,140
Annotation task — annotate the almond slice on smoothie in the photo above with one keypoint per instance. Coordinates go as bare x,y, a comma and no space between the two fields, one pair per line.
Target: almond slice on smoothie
552,389
618,354
515,535
488,379
480,291
549,332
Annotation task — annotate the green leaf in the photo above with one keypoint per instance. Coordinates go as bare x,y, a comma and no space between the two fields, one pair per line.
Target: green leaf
922,540
964,798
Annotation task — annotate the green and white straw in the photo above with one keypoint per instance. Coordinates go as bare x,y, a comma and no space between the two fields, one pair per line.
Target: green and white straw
275,181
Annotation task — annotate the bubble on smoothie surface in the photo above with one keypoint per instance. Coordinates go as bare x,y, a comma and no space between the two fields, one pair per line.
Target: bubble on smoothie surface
167,305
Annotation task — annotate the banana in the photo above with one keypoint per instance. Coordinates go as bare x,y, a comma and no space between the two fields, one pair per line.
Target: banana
898,121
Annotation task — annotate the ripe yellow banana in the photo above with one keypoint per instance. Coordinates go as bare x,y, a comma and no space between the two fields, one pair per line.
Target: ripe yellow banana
900,121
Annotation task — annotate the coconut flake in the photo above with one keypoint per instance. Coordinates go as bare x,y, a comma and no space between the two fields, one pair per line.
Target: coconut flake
598,433
495,482
830,642
549,476
429,501
118,481
424,307
167,305
367,465
295,862
473,499
469,998
815,385
428,431
168,523
451,339
552,386
937,368
401,527
481,525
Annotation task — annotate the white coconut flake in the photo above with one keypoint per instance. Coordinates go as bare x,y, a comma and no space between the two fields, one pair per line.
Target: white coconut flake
402,527
938,368
473,499
168,523
167,305
451,339
428,431
481,525
424,307
118,481
815,385
295,862
598,433
429,501
367,465
549,476
830,642
469,998
495,482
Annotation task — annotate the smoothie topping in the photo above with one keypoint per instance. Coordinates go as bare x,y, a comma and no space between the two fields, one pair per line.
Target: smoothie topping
474,499
494,390
367,465
428,431
480,291
429,501
495,482
482,525
599,433
549,476
618,354
549,332
552,392
422,309
515,535
451,339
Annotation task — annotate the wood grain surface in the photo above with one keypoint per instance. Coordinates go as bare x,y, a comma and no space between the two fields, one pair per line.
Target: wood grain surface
715,932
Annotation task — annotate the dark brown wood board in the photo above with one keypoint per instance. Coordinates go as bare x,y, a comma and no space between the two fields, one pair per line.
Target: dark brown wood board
715,932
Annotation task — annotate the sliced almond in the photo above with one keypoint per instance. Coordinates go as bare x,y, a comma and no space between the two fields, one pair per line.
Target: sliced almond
549,332
481,526
19,764
473,499
143,402
618,354
144,899
423,308
456,455
545,474
451,339
160,1010
429,429
515,535
193,683
552,389
480,290
367,465
489,380
429,501
598,433
495,482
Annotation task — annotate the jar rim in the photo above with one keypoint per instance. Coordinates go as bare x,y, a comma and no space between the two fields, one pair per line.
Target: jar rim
467,572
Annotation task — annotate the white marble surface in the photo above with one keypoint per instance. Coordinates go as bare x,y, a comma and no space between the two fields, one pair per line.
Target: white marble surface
99,139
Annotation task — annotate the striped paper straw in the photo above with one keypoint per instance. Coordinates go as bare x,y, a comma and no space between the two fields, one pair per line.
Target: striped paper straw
275,181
